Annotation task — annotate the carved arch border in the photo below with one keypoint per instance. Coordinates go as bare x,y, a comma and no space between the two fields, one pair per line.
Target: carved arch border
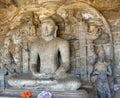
46,13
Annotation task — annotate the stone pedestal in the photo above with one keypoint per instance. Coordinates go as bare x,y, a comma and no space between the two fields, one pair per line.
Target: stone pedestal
15,93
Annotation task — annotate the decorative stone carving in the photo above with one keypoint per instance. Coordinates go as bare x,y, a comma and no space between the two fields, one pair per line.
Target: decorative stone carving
13,51
102,70
16,42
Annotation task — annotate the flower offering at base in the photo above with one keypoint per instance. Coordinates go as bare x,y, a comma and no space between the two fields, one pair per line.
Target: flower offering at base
26,94
44,94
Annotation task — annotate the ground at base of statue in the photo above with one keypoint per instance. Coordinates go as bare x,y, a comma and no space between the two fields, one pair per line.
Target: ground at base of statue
15,93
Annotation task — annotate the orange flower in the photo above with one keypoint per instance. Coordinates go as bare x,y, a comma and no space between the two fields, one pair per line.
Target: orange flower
26,94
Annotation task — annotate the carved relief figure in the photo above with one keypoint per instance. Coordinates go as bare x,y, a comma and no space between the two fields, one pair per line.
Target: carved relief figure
13,51
102,70
54,63
15,42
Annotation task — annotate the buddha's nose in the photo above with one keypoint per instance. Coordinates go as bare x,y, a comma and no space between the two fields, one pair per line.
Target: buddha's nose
46,29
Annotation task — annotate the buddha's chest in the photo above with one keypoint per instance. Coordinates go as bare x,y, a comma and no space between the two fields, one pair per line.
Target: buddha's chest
48,49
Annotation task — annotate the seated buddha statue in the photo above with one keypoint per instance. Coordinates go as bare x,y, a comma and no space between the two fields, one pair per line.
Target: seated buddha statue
54,57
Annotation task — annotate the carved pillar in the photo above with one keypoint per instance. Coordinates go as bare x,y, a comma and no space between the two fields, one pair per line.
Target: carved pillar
25,58
82,51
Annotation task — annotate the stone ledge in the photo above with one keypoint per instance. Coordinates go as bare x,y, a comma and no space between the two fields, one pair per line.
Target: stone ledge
15,93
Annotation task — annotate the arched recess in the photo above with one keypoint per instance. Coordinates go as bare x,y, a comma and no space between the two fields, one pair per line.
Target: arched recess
78,41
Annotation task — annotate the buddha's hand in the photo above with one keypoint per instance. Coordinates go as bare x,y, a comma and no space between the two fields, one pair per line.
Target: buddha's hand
39,75
48,76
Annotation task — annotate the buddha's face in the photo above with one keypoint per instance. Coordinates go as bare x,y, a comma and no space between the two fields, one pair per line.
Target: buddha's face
48,29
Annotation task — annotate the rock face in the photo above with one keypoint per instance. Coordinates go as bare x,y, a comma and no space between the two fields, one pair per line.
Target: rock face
80,22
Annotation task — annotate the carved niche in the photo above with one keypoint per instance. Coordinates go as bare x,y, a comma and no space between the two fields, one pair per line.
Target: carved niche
82,25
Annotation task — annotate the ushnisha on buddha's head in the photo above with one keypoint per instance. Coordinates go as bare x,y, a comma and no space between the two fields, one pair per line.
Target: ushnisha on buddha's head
48,28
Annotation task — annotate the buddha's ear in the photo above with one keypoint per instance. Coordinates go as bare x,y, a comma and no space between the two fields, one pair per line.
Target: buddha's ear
55,33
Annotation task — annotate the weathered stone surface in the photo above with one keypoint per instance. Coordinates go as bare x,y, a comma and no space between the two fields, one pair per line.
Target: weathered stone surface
102,4
12,12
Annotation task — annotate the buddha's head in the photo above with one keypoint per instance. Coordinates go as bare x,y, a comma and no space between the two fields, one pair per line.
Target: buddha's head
48,28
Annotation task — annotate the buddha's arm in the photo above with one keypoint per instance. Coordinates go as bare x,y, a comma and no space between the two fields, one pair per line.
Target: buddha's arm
33,60
65,55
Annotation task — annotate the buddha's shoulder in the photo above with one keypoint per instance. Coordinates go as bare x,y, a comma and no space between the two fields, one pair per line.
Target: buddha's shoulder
37,42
